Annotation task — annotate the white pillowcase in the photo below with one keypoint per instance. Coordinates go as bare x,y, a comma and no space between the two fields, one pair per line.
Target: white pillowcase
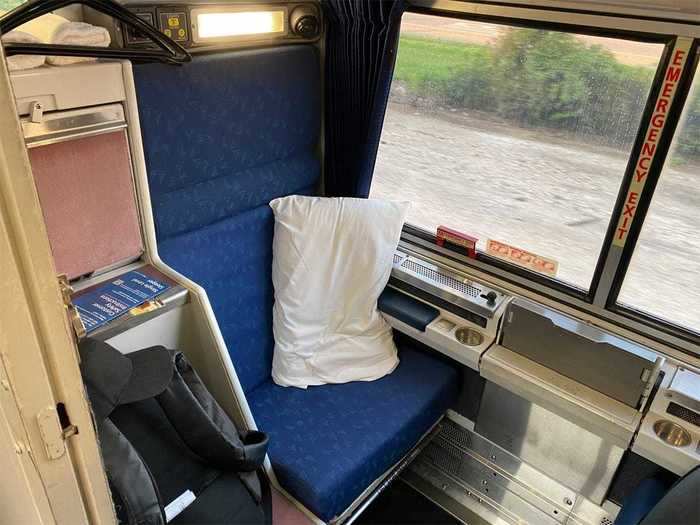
332,257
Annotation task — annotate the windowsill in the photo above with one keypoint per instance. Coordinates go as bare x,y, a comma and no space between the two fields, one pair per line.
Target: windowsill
668,339
522,274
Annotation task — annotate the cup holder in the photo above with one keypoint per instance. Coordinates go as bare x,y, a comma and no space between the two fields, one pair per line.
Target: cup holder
672,433
469,336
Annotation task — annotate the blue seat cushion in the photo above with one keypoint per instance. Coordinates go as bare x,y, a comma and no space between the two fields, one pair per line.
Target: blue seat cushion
329,443
223,136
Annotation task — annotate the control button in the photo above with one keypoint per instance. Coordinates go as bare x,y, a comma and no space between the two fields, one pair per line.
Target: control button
181,33
491,298
168,33
134,36
173,21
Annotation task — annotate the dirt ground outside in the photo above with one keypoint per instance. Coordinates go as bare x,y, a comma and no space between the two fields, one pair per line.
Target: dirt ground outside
543,193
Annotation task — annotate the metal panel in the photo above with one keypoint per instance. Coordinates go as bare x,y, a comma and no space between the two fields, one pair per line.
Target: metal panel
596,412
68,125
448,285
503,490
503,503
68,87
467,474
615,367
601,20
686,388
447,493
568,453
506,465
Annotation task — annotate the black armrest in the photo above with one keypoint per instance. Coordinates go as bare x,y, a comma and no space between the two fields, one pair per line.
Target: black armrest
407,309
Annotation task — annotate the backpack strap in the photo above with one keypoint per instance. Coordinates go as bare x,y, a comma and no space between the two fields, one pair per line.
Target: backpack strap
138,498
206,428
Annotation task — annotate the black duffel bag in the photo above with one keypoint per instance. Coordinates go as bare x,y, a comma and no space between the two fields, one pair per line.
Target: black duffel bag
171,454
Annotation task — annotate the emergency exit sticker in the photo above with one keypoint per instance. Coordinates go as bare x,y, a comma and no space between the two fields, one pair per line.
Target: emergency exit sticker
523,258
114,298
658,121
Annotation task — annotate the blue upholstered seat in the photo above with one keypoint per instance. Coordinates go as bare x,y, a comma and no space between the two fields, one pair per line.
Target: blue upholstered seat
329,443
223,136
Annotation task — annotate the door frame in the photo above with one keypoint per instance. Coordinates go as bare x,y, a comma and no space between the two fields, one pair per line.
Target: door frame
39,360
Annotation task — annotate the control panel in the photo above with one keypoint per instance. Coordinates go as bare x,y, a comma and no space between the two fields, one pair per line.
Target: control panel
173,22
475,302
443,309
670,432
302,22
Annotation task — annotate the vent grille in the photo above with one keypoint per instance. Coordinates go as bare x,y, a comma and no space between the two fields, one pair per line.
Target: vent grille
606,521
456,434
441,278
397,258
445,457
683,413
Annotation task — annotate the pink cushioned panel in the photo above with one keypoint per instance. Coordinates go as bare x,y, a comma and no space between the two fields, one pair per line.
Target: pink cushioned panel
87,197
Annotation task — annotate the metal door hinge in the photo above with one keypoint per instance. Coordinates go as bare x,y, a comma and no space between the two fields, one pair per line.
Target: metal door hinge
51,433
55,428
73,317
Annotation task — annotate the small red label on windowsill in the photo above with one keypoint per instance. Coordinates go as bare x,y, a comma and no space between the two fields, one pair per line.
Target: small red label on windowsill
457,238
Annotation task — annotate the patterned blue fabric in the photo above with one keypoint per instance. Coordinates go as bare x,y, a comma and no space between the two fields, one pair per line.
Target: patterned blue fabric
232,260
329,443
223,136
228,132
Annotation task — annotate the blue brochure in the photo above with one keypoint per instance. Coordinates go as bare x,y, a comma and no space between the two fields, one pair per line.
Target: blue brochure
111,299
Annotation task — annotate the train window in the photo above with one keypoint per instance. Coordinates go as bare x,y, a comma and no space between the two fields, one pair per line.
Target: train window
662,279
519,136
9,5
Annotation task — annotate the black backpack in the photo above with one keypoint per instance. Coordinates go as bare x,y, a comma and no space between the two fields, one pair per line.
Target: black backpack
170,452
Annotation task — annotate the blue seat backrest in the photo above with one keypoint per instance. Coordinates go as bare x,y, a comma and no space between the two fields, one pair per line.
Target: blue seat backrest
223,136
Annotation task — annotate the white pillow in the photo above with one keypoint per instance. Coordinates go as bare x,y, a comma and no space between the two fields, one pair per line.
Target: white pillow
331,259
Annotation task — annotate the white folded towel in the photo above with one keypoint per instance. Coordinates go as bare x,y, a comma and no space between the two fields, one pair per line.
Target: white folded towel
77,34
20,62
43,27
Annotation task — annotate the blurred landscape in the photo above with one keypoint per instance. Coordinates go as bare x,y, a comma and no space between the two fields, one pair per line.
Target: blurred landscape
523,136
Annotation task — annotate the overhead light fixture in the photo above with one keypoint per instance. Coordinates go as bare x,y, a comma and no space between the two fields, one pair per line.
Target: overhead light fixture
221,24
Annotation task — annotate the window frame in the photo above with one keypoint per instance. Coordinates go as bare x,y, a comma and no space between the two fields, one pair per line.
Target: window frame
688,75
600,300
22,2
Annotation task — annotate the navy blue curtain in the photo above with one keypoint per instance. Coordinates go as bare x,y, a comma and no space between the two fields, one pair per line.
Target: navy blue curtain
361,41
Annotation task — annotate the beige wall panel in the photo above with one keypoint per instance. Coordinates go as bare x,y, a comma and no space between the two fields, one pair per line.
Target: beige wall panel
35,346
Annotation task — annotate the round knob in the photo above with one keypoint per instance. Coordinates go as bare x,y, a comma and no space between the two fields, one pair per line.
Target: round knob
307,26
491,297
305,22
